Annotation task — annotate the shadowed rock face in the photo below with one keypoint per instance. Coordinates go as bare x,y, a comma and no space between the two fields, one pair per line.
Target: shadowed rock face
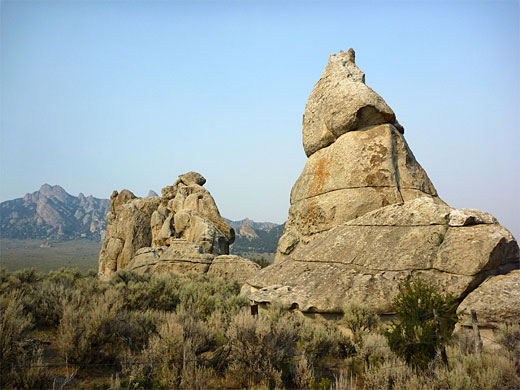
364,215
181,231
496,301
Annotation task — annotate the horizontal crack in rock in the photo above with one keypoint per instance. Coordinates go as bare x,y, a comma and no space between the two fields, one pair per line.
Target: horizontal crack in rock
358,267
358,187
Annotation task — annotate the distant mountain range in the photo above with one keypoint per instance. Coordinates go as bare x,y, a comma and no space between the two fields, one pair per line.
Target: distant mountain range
256,237
52,214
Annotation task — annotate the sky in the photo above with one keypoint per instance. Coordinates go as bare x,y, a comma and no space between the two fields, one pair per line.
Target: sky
104,95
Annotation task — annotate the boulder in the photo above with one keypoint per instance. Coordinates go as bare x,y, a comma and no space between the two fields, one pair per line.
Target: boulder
195,228
158,218
496,301
180,257
365,217
118,199
233,267
341,102
192,178
128,230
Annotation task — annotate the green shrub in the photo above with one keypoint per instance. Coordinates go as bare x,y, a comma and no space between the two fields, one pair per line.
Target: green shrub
87,331
359,319
317,340
415,338
509,337
30,372
20,281
134,328
47,295
373,349
304,375
13,325
344,381
209,293
45,302
27,276
174,353
204,294
486,372
158,293
65,276
124,276
16,356
260,351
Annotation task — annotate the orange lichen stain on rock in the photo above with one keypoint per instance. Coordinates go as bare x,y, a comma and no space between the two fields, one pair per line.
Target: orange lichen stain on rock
379,156
312,212
321,173
377,179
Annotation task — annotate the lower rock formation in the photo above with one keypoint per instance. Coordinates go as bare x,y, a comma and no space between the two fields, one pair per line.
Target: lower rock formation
180,232
364,215
496,301
365,259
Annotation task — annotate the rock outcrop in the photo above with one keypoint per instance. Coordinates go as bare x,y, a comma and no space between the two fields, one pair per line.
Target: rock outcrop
128,230
364,215
341,102
496,301
233,267
180,232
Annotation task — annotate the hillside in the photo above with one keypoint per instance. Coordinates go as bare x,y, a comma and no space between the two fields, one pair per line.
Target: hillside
238,225
264,241
52,213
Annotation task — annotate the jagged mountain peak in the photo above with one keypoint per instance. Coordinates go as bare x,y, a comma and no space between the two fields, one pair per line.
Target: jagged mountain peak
54,192
52,213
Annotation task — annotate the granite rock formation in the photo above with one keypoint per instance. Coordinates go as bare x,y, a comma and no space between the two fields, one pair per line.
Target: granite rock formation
364,215
181,231
496,301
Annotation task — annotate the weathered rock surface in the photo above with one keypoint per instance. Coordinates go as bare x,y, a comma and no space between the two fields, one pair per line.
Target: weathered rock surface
181,231
365,259
364,215
341,102
496,301
233,267
128,230
183,256
360,172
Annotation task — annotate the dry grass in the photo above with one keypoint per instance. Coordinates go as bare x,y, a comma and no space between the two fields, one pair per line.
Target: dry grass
196,332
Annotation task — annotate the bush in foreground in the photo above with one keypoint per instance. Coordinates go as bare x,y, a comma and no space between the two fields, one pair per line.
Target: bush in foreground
426,320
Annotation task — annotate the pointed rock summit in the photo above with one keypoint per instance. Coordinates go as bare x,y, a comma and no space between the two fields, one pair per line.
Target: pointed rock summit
341,102
364,215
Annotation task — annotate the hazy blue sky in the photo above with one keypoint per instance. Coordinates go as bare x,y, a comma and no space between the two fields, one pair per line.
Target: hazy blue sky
97,96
